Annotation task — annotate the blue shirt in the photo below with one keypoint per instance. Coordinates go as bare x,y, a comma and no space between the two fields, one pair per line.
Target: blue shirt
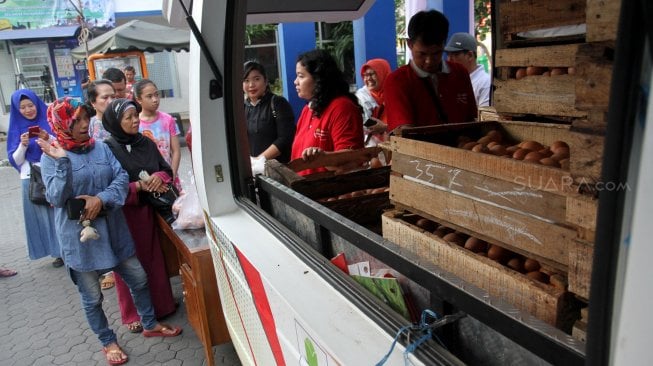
94,173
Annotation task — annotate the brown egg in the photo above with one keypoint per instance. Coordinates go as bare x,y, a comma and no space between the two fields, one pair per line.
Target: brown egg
462,140
516,264
378,190
425,224
440,231
534,70
476,245
358,193
485,140
571,70
498,253
454,238
546,73
550,162
494,135
546,152
531,145
561,154
492,143
512,149
557,145
558,281
331,199
533,157
531,265
375,163
520,74
538,276
498,150
344,196
470,145
564,164
558,71
480,148
520,154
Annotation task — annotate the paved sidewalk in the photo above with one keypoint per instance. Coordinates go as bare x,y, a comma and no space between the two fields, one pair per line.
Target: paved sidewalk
41,321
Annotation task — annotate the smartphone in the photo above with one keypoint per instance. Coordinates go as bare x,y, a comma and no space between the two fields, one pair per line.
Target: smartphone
34,131
369,123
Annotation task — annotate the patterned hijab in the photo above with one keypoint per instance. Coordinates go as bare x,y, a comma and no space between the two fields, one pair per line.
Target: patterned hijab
62,115
382,69
18,125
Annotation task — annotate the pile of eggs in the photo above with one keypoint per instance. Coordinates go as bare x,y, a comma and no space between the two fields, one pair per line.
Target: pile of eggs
556,155
528,266
359,193
523,72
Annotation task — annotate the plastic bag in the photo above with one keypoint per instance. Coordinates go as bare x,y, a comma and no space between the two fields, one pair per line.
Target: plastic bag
189,212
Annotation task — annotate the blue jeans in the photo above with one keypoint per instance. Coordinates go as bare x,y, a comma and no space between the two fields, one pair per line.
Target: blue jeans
88,286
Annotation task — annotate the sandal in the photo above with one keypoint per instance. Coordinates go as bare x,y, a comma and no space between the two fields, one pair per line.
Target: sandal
135,327
58,262
115,355
107,281
163,331
4,272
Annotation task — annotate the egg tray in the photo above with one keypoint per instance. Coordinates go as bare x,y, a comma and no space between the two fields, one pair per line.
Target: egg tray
544,301
363,208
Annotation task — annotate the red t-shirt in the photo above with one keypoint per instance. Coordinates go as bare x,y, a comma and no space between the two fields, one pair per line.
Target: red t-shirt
408,101
339,127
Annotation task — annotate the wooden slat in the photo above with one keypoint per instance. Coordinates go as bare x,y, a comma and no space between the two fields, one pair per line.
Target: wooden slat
595,123
524,232
582,211
586,157
537,94
602,19
520,16
545,56
338,159
533,176
500,192
594,75
581,255
542,301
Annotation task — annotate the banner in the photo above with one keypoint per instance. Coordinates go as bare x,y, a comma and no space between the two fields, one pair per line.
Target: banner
35,14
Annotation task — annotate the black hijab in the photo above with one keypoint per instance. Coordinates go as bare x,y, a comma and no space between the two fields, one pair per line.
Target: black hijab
134,152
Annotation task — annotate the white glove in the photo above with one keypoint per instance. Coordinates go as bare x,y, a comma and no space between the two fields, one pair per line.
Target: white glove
258,164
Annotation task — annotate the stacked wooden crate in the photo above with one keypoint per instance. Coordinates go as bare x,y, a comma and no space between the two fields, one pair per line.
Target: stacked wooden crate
541,212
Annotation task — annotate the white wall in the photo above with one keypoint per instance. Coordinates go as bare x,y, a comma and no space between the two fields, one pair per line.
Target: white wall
179,104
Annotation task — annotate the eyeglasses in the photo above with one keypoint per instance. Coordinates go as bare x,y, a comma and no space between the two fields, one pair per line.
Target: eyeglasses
369,75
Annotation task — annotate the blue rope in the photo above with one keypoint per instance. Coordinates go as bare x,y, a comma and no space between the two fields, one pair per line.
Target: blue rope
423,326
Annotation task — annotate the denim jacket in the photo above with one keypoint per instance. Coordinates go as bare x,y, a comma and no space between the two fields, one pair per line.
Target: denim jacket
95,173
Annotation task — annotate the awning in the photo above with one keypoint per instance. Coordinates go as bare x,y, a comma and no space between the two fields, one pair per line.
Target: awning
137,35
52,32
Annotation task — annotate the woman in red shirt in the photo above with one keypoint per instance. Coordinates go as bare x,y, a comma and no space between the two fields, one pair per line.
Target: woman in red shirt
332,119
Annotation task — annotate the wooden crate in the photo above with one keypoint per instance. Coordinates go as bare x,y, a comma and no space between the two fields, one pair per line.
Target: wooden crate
515,17
569,95
364,209
602,19
543,301
581,255
534,209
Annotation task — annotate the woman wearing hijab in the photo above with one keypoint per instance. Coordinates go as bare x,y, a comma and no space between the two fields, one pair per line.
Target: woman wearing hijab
27,110
370,97
137,153
74,167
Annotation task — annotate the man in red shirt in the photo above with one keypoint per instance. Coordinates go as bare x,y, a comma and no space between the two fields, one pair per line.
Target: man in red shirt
428,91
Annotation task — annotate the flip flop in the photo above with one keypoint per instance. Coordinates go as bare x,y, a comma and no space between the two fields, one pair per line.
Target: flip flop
115,352
107,282
135,327
165,331
4,272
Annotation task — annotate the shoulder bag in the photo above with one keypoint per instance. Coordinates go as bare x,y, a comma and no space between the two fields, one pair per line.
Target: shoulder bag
36,186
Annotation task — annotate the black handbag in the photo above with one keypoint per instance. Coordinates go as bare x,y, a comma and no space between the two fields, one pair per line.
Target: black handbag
162,202
36,186
75,208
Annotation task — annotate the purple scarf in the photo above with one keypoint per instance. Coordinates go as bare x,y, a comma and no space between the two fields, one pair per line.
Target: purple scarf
18,125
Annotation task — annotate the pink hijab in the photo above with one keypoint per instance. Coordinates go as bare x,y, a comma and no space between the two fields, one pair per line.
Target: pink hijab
382,69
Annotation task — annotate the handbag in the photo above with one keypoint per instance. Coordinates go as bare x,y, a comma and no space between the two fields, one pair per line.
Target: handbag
162,202
75,208
36,186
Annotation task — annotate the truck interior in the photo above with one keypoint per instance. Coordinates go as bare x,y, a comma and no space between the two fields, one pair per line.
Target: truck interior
483,329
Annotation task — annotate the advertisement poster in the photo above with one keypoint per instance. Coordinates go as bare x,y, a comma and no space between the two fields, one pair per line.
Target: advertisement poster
34,14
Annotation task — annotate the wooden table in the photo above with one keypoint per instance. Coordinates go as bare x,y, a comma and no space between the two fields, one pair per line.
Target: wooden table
187,254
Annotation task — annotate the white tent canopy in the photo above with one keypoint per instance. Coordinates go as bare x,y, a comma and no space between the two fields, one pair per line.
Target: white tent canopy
137,35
